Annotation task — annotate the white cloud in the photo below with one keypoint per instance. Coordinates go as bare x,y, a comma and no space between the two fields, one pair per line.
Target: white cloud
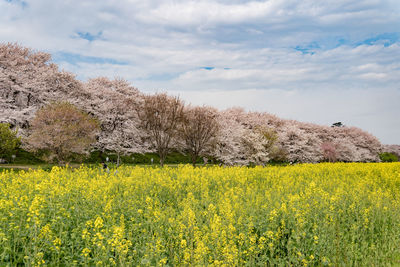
209,12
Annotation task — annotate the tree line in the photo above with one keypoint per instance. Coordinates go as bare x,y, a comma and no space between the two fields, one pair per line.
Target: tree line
112,115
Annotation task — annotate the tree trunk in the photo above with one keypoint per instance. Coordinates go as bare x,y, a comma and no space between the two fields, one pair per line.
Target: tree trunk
162,161
162,158
194,159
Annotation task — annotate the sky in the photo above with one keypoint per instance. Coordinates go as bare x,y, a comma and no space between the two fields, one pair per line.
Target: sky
311,60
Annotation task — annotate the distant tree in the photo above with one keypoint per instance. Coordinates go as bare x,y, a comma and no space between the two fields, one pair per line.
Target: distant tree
9,142
230,148
256,147
329,151
199,130
113,103
161,116
275,150
261,146
246,138
388,157
356,145
60,129
393,149
337,124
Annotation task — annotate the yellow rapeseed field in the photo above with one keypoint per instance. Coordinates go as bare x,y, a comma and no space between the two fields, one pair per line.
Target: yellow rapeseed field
303,215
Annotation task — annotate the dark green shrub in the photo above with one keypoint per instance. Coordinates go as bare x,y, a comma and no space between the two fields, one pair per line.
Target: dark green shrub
388,157
26,157
9,142
136,158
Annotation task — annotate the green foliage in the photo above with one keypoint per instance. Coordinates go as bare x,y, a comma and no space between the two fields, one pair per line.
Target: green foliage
9,142
337,124
26,157
388,157
277,153
136,158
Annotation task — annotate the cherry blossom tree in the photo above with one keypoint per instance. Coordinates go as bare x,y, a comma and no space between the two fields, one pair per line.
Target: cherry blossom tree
114,103
246,138
198,131
161,116
255,147
60,129
28,81
229,146
329,151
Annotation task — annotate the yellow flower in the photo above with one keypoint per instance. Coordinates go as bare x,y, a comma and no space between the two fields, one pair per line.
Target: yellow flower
85,252
98,223
183,243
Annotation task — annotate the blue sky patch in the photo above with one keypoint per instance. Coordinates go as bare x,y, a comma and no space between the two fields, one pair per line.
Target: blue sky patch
387,39
23,4
88,36
308,49
342,41
76,58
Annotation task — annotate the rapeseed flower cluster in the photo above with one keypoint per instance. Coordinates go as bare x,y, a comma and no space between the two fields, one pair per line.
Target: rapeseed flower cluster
303,215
